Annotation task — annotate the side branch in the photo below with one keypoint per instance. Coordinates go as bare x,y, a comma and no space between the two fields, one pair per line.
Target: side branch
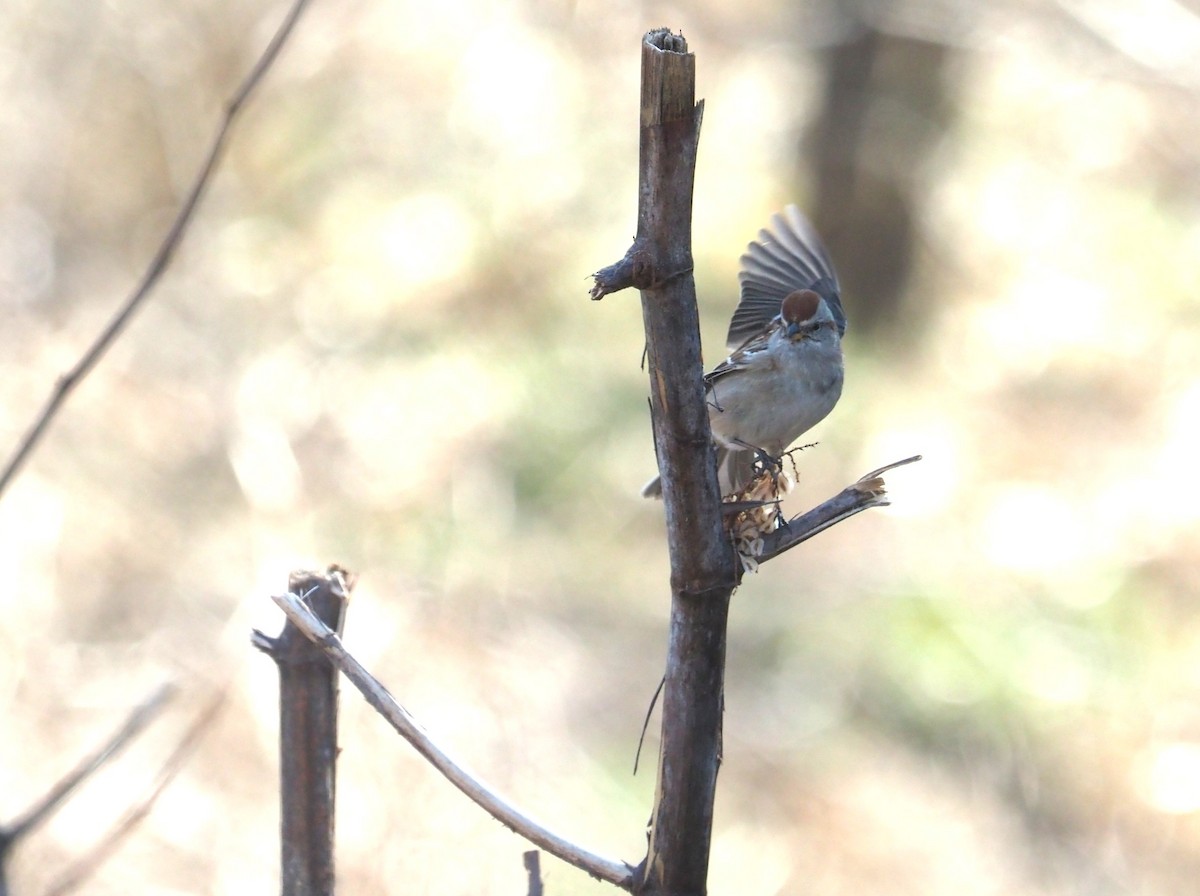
636,269
629,271
867,492
385,704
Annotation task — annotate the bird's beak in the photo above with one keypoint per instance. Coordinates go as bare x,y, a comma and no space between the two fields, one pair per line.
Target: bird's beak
793,330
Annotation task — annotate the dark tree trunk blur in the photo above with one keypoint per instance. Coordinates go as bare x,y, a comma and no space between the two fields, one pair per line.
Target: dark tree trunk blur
887,103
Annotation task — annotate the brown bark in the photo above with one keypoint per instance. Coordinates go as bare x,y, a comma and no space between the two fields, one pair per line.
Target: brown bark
308,750
703,568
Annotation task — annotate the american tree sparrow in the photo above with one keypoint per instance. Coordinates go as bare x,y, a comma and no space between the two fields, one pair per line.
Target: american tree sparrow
784,372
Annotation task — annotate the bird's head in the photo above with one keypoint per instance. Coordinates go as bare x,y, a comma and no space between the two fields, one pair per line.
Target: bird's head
806,315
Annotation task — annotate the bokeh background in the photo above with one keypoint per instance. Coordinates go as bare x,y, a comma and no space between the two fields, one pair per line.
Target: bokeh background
376,348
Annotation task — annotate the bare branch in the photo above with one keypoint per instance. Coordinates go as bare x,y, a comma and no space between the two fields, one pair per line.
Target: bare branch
141,716
85,867
867,492
377,696
703,565
162,257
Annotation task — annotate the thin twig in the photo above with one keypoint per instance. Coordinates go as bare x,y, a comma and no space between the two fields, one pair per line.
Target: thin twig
600,867
142,716
646,722
85,867
162,257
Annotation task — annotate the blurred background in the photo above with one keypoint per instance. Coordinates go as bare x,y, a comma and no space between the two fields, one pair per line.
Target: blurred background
376,348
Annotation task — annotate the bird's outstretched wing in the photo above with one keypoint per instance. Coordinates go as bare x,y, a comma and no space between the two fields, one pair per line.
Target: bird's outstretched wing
787,256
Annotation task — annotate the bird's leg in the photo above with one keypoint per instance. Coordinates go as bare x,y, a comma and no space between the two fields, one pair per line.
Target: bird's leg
764,480
711,399
764,463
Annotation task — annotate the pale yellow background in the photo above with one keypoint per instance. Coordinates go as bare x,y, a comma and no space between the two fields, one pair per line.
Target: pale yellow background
375,348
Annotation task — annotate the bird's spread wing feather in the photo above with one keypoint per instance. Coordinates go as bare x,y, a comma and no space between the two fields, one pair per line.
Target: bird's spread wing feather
786,257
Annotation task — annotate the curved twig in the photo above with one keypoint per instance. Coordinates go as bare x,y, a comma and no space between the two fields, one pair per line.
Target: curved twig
385,704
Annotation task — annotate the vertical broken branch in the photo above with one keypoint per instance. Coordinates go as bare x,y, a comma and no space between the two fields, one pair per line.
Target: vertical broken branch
703,568
308,736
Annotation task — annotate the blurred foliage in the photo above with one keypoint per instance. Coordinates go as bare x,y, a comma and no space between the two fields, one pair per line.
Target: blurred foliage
376,349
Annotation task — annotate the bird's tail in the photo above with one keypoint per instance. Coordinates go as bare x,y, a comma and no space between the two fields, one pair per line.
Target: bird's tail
735,469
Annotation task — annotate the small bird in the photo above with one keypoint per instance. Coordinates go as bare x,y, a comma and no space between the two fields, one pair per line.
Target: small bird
784,371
